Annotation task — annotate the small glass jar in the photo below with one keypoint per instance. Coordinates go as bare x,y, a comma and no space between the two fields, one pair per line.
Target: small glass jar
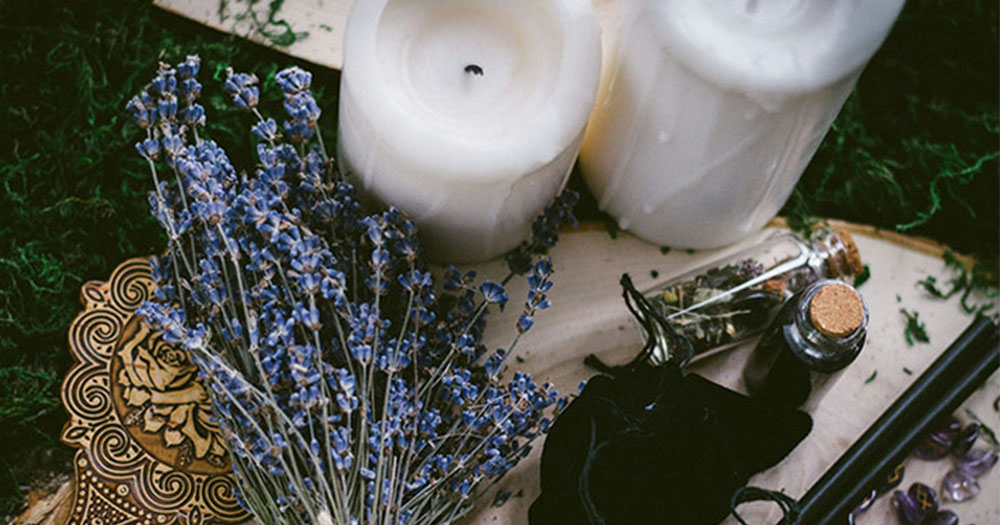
816,335
730,300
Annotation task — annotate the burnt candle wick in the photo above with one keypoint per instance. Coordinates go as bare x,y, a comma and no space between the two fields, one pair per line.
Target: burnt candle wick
474,69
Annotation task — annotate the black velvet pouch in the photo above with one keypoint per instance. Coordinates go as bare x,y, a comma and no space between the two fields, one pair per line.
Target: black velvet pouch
653,444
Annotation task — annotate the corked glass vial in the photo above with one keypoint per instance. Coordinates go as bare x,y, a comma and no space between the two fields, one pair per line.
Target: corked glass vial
732,299
816,335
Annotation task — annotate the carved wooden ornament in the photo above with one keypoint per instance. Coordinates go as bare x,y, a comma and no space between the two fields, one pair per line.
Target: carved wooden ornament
150,453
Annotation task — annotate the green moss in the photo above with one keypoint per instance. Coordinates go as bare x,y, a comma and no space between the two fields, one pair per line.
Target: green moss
915,147
73,191
26,399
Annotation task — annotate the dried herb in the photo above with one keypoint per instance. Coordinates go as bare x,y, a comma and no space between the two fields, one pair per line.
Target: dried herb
985,431
915,329
729,320
501,498
664,250
871,377
611,226
863,277
981,279
262,20
654,274
907,371
929,285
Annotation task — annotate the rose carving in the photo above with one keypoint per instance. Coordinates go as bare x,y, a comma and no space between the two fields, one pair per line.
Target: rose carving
160,388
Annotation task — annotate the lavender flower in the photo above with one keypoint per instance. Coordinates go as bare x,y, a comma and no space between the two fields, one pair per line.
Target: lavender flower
348,387
243,89
545,231
540,283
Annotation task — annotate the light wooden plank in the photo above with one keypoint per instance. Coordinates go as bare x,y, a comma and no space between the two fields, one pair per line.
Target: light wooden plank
319,23
588,316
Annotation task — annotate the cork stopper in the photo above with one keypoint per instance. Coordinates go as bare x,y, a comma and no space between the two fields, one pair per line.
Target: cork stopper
836,310
851,254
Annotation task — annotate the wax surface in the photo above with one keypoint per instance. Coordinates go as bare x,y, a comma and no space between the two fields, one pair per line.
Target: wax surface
710,111
467,114
471,66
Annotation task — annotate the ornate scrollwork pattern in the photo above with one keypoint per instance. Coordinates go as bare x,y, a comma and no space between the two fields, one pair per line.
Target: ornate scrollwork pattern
150,453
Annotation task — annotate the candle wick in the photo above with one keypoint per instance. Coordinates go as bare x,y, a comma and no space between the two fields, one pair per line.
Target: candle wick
474,69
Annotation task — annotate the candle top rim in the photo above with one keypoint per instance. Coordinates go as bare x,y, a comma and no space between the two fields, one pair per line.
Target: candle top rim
435,144
812,45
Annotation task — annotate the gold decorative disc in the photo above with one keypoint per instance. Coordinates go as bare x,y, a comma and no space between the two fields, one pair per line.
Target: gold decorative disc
150,452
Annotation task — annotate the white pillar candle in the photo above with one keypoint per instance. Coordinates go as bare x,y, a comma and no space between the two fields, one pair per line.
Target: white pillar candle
467,114
709,111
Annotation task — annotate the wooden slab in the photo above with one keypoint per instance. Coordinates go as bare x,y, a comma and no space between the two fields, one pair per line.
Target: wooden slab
588,316
318,25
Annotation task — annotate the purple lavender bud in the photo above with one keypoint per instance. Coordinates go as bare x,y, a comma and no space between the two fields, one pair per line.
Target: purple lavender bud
938,443
194,115
493,293
189,68
293,79
959,485
149,149
977,461
524,323
942,517
139,112
966,438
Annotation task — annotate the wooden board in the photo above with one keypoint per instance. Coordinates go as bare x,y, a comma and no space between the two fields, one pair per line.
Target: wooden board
588,316
318,25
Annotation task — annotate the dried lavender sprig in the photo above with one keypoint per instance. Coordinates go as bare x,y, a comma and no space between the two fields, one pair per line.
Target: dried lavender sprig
291,300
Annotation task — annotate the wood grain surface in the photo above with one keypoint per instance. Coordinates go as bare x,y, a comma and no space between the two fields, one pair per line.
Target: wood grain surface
588,316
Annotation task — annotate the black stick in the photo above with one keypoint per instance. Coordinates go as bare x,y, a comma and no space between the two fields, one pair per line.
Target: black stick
965,365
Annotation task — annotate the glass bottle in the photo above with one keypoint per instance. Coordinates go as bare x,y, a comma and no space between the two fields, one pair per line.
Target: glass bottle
816,335
732,299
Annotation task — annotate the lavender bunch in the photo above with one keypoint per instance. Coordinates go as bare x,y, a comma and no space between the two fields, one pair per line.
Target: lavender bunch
348,388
